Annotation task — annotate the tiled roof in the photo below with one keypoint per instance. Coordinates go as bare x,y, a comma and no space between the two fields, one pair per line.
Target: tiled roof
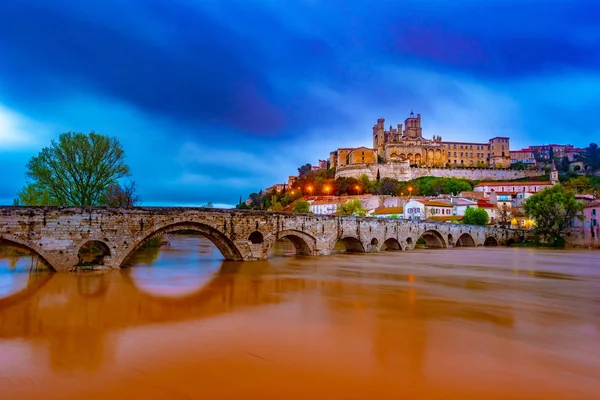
389,210
437,203
506,183
485,204
446,218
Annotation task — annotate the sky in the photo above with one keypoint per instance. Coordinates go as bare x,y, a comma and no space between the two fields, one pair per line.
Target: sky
215,99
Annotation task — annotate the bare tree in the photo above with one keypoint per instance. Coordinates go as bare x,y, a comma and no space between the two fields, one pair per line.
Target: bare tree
121,196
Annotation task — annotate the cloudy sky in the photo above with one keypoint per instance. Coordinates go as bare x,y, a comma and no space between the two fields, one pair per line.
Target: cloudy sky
214,99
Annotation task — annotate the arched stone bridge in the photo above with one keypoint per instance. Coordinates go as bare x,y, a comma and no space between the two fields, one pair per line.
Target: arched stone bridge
57,234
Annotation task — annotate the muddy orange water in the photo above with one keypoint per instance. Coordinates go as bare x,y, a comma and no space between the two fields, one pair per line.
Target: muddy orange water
178,323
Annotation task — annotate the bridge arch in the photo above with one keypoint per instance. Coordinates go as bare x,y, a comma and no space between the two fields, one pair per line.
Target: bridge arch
352,244
227,248
303,242
433,239
256,237
465,240
490,241
93,252
32,247
391,244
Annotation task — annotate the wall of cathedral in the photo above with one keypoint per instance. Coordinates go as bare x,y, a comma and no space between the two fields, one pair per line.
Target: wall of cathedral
402,171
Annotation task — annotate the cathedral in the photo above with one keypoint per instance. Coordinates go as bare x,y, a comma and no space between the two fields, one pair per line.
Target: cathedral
407,145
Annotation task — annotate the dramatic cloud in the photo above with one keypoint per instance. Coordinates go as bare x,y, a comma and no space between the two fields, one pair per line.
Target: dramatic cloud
214,99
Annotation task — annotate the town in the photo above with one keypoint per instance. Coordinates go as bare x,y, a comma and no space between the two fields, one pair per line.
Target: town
408,177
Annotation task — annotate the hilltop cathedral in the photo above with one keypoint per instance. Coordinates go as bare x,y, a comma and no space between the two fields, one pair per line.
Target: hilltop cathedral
408,145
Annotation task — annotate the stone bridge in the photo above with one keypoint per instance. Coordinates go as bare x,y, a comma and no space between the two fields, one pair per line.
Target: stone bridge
58,234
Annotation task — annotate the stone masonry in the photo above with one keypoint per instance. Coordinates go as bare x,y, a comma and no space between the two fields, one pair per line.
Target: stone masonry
57,234
402,171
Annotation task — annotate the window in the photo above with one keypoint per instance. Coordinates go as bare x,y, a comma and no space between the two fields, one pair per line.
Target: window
471,147
454,154
454,146
471,155
448,154
594,212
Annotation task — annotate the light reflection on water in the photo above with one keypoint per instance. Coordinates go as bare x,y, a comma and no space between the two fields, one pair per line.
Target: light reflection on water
179,322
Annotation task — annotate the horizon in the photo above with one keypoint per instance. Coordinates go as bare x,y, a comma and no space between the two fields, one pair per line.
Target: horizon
229,99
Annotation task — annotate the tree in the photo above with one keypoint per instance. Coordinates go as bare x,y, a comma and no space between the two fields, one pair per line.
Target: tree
120,196
592,157
518,166
33,195
475,216
76,170
580,184
456,186
275,204
301,206
351,207
553,209
564,164
505,215
208,205
303,170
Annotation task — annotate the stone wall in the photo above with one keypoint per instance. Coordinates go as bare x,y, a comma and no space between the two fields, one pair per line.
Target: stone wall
58,234
402,171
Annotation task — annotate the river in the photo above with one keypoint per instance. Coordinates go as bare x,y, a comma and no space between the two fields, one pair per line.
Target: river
179,323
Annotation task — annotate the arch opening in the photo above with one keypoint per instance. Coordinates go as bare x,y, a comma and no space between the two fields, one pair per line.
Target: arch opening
490,241
225,246
465,240
15,253
391,244
291,245
431,239
256,237
178,269
350,245
92,252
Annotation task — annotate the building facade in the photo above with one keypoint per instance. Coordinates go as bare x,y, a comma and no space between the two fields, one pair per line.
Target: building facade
525,156
407,144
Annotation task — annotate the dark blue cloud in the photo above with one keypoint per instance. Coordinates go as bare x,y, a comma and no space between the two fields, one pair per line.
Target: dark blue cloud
271,78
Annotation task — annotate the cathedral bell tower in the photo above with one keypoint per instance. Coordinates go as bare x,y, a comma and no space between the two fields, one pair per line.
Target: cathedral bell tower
553,174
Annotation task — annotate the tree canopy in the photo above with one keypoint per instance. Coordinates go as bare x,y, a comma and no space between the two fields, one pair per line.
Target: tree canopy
592,157
475,216
351,207
553,209
301,206
75,171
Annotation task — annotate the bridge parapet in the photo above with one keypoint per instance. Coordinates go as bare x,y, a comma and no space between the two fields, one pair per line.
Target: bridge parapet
57,234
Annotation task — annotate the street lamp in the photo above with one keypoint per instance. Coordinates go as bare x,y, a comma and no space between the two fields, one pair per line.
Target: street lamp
357,189
410,191
326,188
310,189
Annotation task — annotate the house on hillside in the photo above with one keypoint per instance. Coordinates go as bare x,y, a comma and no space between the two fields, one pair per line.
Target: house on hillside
388,212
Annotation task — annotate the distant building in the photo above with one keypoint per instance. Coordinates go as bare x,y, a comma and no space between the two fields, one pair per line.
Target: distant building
558,150
408,145
511,187
525,156
388,212
278,187
591,229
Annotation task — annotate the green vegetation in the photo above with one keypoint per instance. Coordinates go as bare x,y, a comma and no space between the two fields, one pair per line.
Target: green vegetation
302,206
78,170
553,209
351,207
475,216
591,157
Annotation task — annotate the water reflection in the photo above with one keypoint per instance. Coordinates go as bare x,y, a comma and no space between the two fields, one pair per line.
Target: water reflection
419,324
182,267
